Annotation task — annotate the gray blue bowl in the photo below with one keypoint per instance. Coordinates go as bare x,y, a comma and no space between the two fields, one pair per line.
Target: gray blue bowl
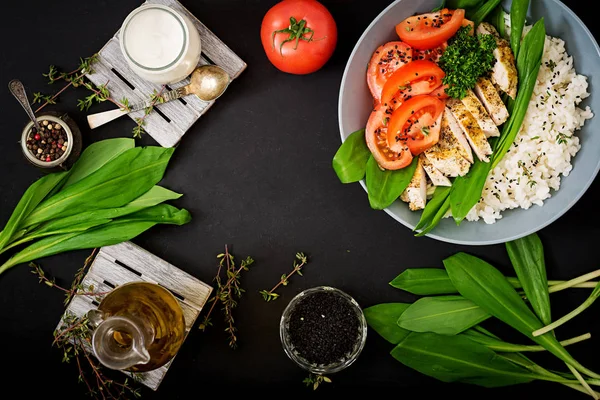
355,105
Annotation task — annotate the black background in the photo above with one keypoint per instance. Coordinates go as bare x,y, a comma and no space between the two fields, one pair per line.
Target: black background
256,174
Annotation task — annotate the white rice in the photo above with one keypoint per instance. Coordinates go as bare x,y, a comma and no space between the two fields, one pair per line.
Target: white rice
546,143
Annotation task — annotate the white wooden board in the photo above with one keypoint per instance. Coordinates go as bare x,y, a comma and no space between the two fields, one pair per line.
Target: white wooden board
174,118
126,262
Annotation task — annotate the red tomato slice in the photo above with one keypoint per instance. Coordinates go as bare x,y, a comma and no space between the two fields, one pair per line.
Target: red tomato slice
428,31
385,61
416,124
377,140
440,93
432,55
413,79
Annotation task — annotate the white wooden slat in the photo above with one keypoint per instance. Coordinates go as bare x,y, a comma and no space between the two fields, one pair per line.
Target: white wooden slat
212,46
182,116
193,290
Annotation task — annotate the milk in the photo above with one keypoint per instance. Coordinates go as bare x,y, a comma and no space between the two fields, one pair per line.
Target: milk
160,44
154,38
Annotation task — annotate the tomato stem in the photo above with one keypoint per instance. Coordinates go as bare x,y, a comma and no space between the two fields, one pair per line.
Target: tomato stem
296,31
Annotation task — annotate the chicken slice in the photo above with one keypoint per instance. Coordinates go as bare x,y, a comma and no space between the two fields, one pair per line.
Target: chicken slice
487,93
434,174
416,192
504,73
449,155
471,128
456,136
487,125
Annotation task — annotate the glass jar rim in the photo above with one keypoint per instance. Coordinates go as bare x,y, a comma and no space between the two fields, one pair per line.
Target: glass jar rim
31,157
177,17
319,368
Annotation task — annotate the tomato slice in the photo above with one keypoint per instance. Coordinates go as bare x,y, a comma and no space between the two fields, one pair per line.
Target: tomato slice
440,93
385,61
416,124
413,79
432,55
377,140
427,31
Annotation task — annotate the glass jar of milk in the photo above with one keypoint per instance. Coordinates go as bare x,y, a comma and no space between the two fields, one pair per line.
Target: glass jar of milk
160,44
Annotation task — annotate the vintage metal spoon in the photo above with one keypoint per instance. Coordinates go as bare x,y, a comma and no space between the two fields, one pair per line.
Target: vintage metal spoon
208,82
16,88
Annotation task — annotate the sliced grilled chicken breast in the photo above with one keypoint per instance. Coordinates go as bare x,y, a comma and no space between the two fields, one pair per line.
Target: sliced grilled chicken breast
416,192
456,136
449,155
471,128
434,174
489,97
504,73
487,125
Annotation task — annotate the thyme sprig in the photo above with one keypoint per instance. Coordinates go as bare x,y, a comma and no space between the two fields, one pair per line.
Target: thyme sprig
227,294
315,380
75,78
155,98
300,261
74,337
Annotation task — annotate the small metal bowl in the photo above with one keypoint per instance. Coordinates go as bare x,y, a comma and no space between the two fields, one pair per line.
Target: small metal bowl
50,164
322,369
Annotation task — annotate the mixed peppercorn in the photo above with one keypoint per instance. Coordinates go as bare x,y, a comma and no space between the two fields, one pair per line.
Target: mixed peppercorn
49,143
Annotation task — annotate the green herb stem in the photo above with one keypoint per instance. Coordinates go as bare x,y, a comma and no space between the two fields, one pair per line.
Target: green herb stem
580,282
586,304
583,382
515,348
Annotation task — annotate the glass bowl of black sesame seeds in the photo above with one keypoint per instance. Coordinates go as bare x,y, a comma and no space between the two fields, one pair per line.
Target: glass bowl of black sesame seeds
323,330
51,145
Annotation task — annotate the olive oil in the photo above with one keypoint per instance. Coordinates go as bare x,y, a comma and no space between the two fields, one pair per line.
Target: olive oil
155,312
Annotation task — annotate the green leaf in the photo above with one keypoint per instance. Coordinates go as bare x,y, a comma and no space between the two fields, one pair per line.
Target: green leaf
120,230
89,219
527,257
350,161
445,315
424,281
528,66
97,155
30,200
385,187
466,190
434,210
497,19
458,359
467,4
483,11
120,181
518,14
383,319
440,7
485,286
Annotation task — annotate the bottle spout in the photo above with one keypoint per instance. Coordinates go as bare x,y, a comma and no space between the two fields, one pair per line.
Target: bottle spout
139,355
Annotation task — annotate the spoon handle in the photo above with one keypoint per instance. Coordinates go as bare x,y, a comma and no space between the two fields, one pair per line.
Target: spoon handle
16,88
98,119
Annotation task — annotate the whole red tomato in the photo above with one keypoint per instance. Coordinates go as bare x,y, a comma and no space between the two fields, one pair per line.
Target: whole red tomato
299,36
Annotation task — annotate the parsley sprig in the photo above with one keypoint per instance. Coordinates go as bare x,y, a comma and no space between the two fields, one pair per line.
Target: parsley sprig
465,60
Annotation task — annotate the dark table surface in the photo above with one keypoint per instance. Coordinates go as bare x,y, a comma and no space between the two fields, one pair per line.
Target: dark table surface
256,174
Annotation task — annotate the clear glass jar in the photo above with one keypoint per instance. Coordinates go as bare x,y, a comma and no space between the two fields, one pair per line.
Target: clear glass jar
160,44
322,369
47,164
